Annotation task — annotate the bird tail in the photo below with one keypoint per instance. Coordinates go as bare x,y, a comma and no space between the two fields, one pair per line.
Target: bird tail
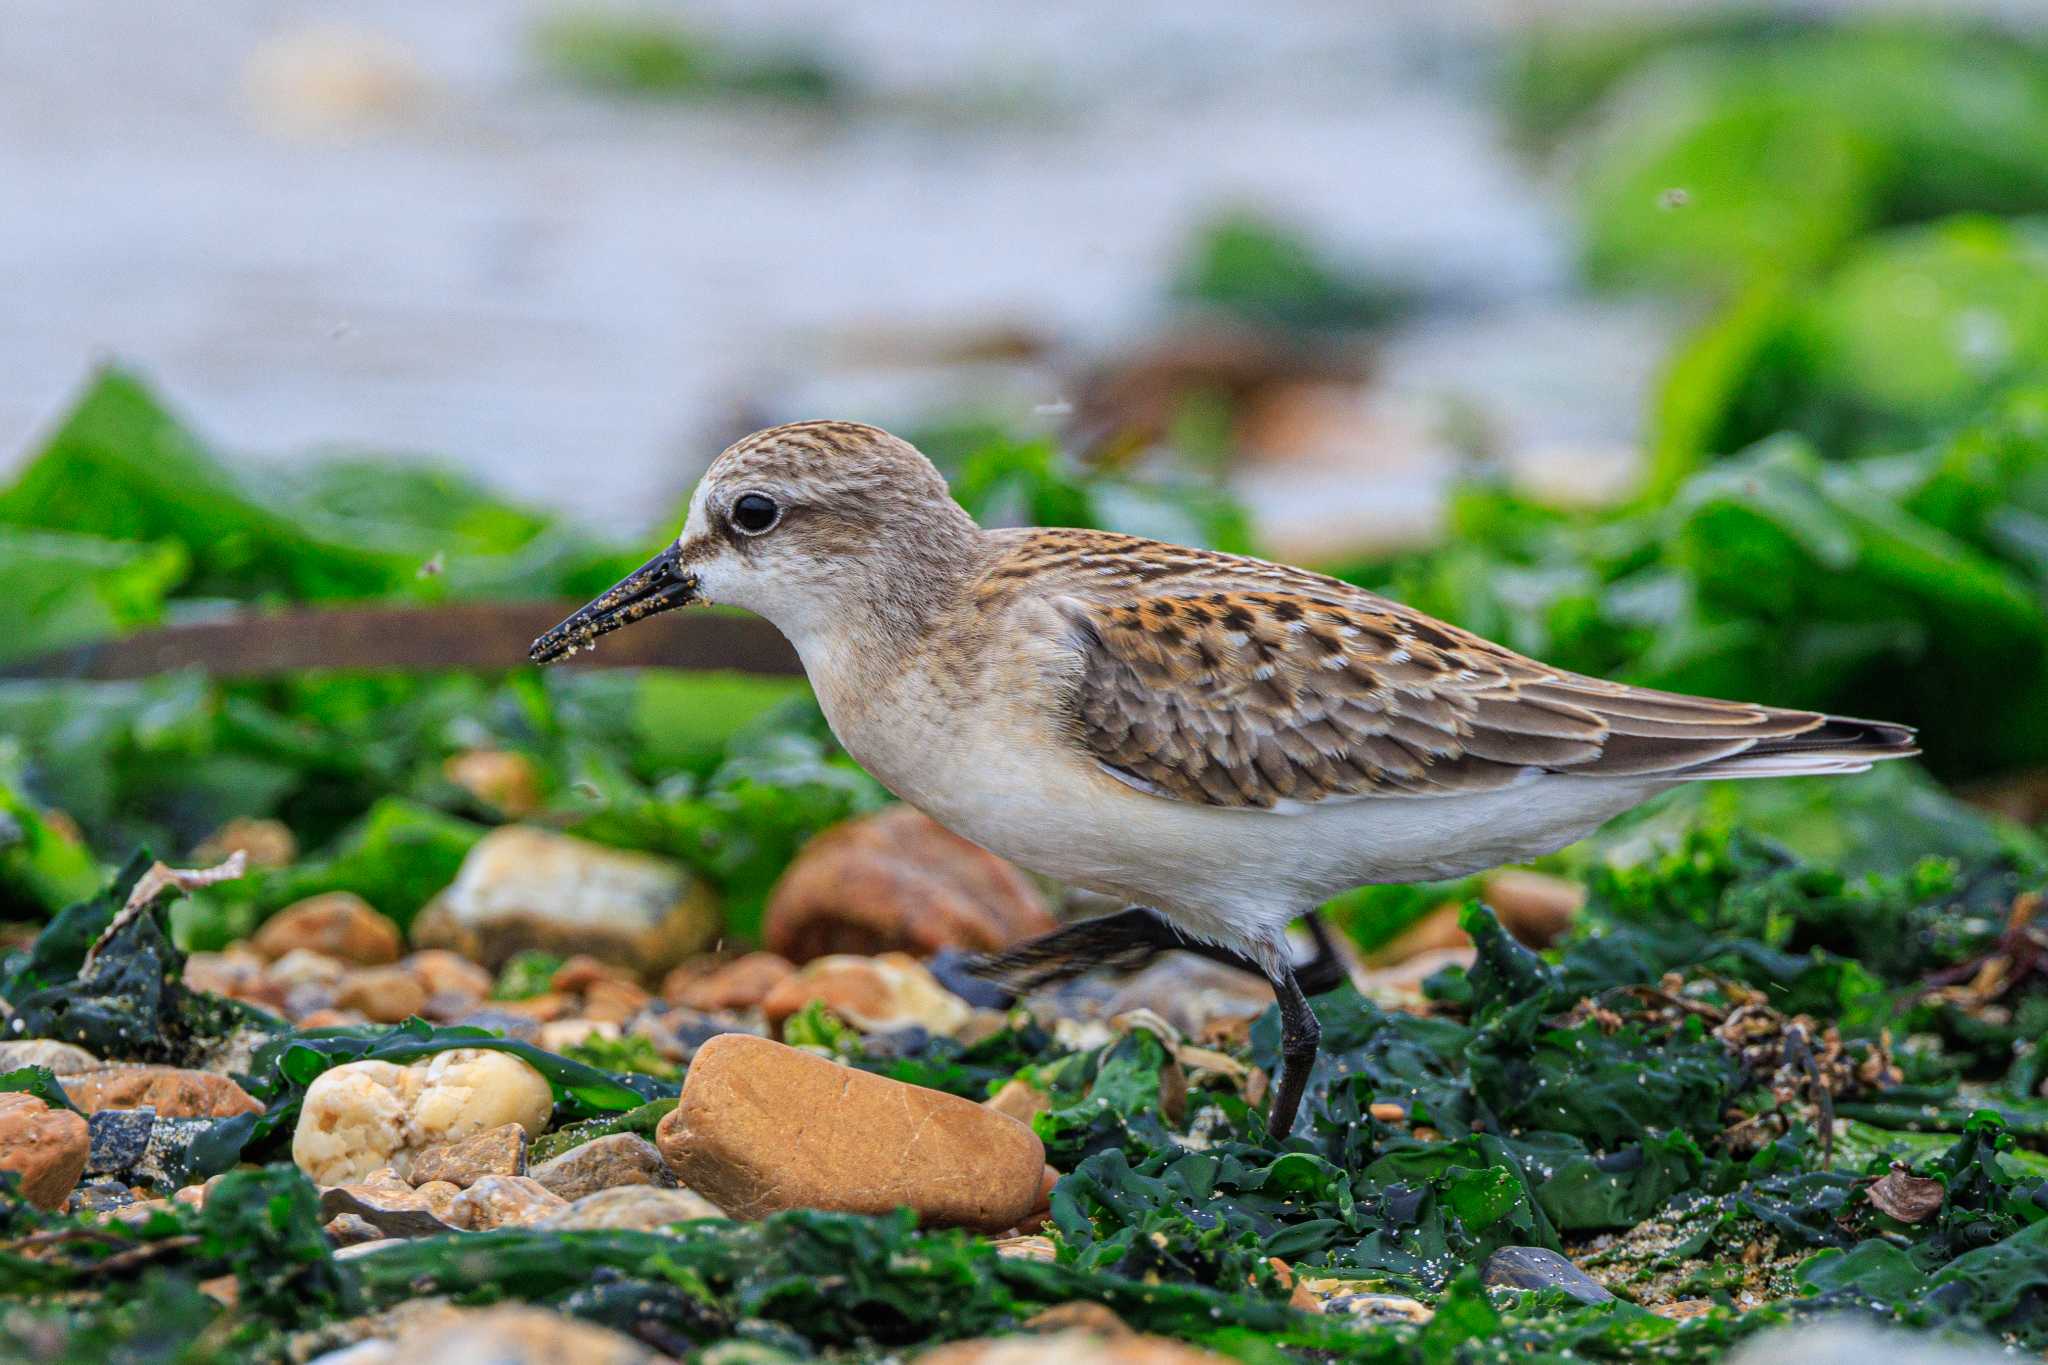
1839,744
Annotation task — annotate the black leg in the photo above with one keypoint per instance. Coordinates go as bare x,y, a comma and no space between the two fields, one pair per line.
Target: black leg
1326,971
1300,1034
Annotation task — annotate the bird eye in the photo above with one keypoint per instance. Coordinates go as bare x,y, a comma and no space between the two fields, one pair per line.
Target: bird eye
755,513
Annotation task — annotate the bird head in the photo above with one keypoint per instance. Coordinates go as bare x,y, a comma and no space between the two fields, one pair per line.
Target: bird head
818,526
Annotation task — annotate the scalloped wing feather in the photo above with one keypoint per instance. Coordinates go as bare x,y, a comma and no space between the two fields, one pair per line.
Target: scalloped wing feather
1237,683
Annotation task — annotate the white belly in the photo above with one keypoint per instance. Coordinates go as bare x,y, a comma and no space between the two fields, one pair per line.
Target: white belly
1230,875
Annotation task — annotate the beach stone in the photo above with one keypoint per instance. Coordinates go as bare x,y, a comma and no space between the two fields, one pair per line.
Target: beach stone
119,1140
1191,993
47,1148
503,1201
632,1208
873,994
866,1144
897,880
613,1002
604,1163
1020,1100
305,967
506,782
559,1035
346,1230
385,995
449,975
101,1196
1540,1268
264,843
63,1059
389,1205
174,1092
522,887
338,924
1535,907
741,984
1076,1346
495,1151
677,1033
237,974
361,1116
583,971
510,1335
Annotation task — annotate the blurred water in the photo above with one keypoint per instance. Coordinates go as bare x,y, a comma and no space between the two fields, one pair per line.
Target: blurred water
380,224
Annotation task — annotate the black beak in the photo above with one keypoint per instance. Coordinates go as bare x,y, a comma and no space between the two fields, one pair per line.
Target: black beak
661,584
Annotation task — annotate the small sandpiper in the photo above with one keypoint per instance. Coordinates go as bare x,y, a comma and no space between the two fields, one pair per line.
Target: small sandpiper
1223,742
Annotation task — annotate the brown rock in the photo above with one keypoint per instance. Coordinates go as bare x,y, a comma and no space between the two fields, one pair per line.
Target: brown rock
495,1151
63,1059
1434,932
1080,1346
864,1143
582,971
237,974
388,1204
1020,1100
604,1163
1535,907
738,985
385,995
46,1147
173,1092
1192,993
633,1208
1078,1314
897,880
329,1017
523,887
613,1002
507,782
306,967
452,975
516,1335
265,843
439,1197
871,993
502,1201
340,924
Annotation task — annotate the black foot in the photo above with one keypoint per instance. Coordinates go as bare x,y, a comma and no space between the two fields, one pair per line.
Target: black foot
1300,1035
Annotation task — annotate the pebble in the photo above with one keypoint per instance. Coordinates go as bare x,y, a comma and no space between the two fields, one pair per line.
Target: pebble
384,995
741,984
872,993
559,1035
618,1159
1079,1346
63,1059
897,880
265,843
46,1147
495,1151
338,924
1192,993
361,1116
1540,1268
305,967
449,975
522,887
677,1033
506,782
1020,1100
632,1208
1535,907
509,1335
387,1204
866,1144
173,1092
503,1201
119,1140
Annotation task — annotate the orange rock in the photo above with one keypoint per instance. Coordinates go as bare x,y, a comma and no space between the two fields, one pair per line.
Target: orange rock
739,985
448,974
387,995
507,782
580,972
1535,907
46,1147
871,993
762,1127
1079,1346
339,924
613,1002
265,843
173,1092
1434,932
1020,1100
896,879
